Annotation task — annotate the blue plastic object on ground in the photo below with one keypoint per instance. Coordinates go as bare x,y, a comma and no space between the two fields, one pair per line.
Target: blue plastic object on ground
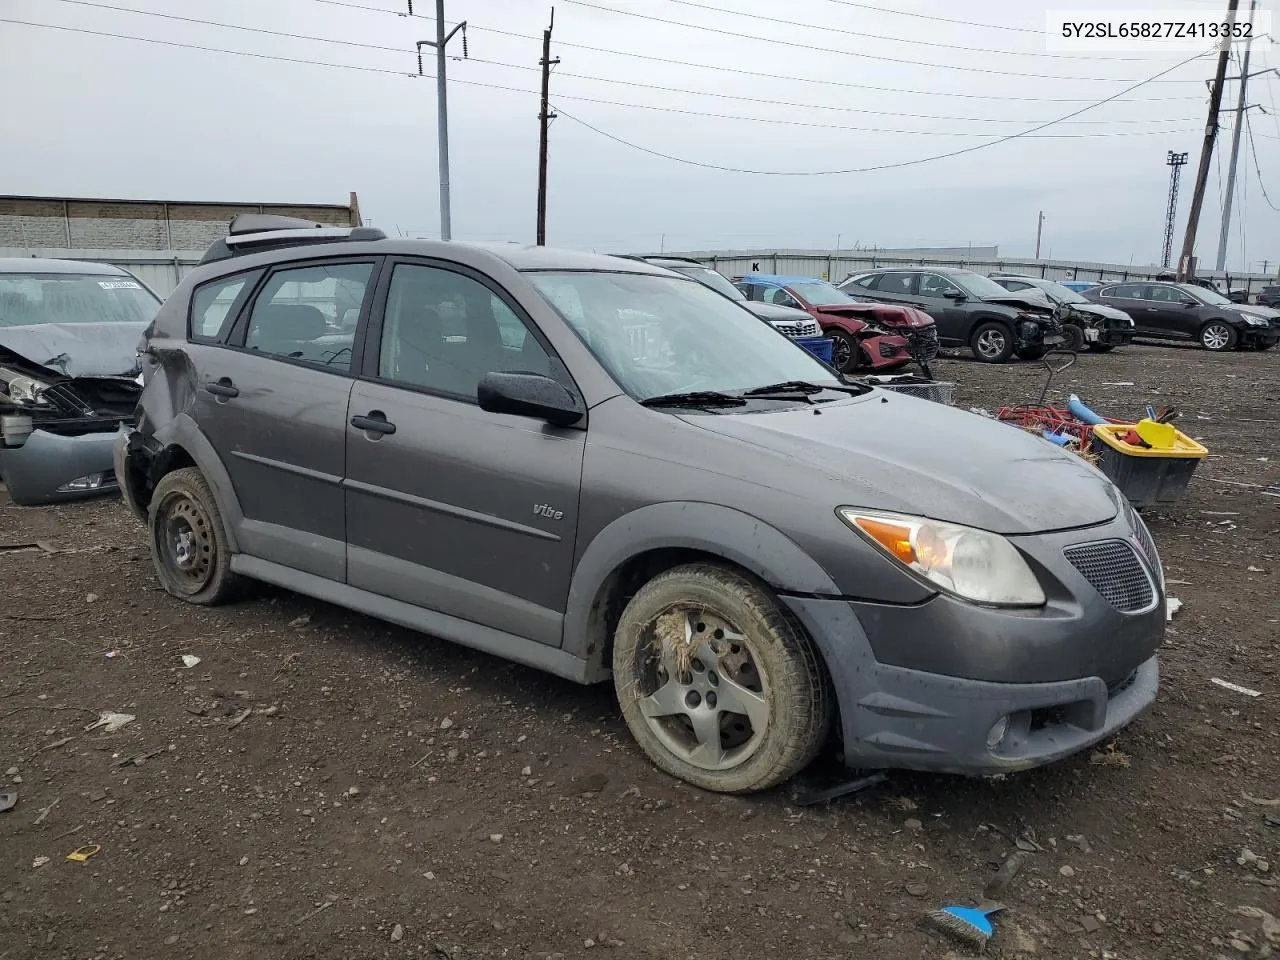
820,347
1083,413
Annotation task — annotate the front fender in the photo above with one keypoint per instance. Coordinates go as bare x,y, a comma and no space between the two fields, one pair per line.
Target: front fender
735,536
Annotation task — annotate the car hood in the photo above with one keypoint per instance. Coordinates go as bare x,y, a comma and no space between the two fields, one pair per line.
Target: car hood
1098,310
897,314
907,455
1014,299
1265,312
776,314
78,349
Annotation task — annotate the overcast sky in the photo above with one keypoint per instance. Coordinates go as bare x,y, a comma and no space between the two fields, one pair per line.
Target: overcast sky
97,116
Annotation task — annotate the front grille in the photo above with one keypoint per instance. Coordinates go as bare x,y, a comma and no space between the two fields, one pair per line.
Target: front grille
809,329
1114,570
1148,545
923,343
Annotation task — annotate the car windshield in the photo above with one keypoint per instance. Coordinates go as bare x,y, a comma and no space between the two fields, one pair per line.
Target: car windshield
1058,293
663,335
977,286
716,281
819,294
31,299
1204,294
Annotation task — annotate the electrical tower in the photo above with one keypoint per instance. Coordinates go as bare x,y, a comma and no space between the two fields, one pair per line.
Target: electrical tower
1175,162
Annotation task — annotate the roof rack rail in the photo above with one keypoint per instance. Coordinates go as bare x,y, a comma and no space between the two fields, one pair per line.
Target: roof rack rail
255,232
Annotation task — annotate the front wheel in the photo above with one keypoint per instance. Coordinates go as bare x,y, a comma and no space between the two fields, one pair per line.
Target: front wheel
844,351
188,543
1072,337
1217,336
992,343
718,684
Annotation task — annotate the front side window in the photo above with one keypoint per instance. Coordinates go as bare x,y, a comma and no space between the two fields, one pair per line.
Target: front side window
714,280
780,298
660,335
444,331
308,313
34,299
936,287
820,294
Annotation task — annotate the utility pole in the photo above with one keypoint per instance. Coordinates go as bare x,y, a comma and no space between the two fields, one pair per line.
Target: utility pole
1186,263
442,106
1224,233
545,116
1264,265
1039,227
1175,162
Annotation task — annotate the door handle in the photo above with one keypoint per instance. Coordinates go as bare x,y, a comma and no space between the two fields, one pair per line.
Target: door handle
222,388
374,422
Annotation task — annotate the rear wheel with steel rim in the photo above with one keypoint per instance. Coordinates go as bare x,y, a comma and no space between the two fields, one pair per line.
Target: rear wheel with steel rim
844,351
188,543
1073,337
992,342
1216,335
718,684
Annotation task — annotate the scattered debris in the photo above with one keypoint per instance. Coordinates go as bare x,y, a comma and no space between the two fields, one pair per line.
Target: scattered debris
1260,801
139,759
44,813
1004,875
1234,687
324,906
189,661
39,862
495,838
112,654
111,722
1067,871
8,801
1253,569
91,598
1270,925
397,933
1119,383
84,853
1110,757
966,924
301,621
1171,606
917,889
240,718
1248,858
1080,842
446,723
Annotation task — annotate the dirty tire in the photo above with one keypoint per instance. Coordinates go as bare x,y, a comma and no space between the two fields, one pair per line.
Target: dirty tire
182,500
992,342
1073,337
1218,336
795,692
844,351
1100,347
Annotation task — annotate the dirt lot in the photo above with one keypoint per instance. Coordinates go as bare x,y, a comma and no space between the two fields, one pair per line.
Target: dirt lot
391,795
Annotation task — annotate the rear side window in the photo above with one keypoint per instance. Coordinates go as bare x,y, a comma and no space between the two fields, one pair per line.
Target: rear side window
896,281
867,283
1125,291
215,304
310,313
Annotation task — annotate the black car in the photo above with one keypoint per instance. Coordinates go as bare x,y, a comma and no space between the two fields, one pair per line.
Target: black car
968,308
1185,311
1269,297
1085,325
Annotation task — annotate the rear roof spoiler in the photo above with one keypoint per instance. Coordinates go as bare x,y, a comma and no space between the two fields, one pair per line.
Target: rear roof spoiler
254,232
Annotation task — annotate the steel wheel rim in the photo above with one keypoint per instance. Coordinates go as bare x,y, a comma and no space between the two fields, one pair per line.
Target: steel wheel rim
1215,336
991,343
701,692
185,540
841,351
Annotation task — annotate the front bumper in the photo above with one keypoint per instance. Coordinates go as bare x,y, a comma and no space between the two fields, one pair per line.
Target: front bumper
1259,336
36,472
1109,335
951,687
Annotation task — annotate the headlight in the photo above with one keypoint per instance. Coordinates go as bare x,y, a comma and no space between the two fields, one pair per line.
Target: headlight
1256,321
972,564
24,389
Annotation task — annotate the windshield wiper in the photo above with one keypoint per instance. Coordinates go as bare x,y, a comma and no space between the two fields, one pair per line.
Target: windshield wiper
694,398
803,387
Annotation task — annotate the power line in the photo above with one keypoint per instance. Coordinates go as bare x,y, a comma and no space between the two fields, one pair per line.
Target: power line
755,73
492,86
847,53
1248,128
578,76
925,16
825,28
882,166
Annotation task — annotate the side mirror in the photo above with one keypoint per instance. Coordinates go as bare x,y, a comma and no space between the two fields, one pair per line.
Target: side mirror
954,295
529,395
1189,303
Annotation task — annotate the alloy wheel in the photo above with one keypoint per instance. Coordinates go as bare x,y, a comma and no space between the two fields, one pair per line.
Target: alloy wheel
1215,337
991,343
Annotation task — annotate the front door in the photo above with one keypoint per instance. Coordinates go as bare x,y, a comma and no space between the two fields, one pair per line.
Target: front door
944,301
1173,311
279,388
467,513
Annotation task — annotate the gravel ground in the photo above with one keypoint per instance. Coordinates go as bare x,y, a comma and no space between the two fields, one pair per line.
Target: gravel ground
323,785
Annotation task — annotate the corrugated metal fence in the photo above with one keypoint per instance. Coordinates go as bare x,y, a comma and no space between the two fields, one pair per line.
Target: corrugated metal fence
837,265
161,270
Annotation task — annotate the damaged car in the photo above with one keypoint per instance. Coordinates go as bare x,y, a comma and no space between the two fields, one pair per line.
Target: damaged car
1085,325
70,375
970,310
608,471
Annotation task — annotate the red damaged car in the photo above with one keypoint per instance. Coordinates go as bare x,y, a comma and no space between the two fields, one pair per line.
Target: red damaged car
864,336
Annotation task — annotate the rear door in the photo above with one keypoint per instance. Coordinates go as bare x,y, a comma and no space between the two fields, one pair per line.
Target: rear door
1132,299
468,513
273,403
